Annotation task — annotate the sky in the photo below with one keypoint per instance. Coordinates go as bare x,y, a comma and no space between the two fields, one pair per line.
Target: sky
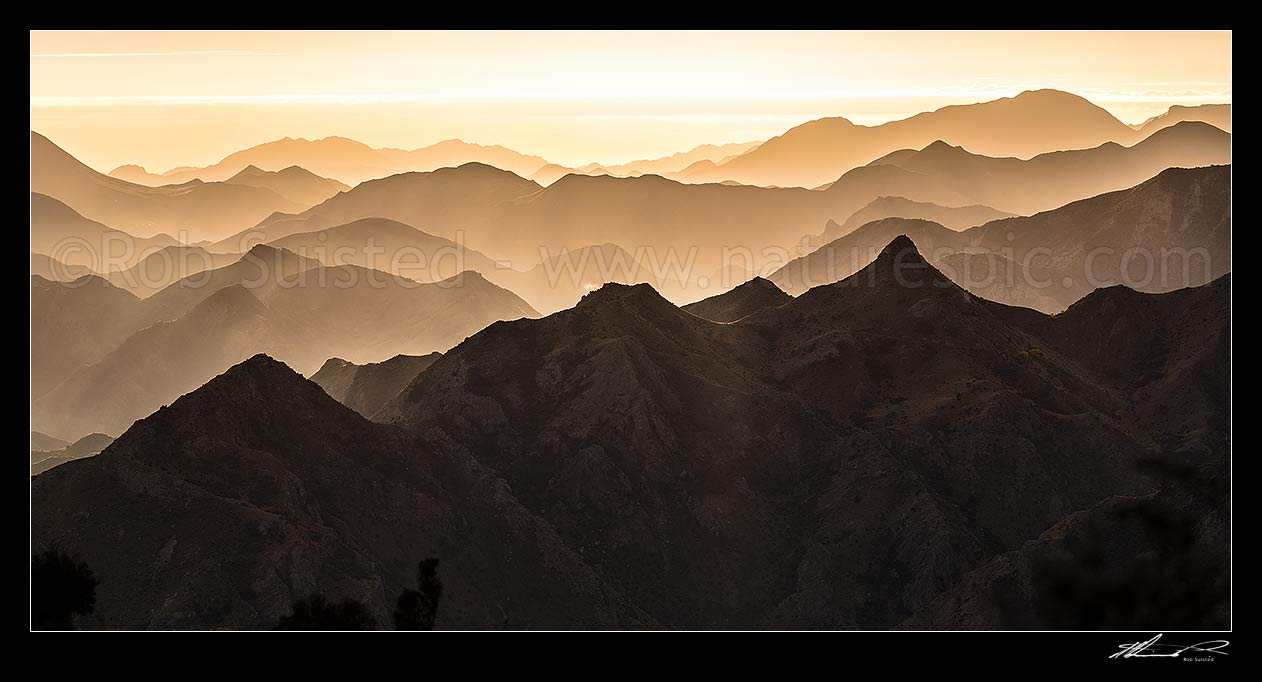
163,99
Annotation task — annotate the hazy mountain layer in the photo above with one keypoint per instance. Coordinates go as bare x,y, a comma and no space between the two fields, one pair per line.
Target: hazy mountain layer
273,301
366,388
200,210
1166,233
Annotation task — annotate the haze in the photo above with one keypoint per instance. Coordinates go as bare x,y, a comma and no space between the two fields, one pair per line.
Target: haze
166,99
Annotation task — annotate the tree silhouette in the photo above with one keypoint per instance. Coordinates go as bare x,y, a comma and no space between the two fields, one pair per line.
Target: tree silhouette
317,613
416,609
61,587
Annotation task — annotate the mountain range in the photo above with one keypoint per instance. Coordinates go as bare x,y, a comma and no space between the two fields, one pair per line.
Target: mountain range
1169,232
342,159
1031,123
560,470
295,308
202,210
512,219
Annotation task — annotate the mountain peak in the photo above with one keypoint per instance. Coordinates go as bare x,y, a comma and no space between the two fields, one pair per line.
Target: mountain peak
743,300
614,292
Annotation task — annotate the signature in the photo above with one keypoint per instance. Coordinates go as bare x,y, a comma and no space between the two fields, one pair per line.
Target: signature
1151,649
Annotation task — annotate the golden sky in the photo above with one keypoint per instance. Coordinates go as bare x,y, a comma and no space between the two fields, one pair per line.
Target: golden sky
164,98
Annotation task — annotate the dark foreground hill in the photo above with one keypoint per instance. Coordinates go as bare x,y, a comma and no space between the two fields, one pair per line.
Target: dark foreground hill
845,460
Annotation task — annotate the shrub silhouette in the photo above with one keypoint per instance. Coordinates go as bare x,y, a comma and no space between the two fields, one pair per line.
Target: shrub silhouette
416,609
61,588
317,613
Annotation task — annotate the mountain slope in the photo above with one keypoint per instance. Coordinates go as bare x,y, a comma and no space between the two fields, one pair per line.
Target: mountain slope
1051,180
202,210
865,450
954,217
268,489
442,202
389,246
294,183
366,388
271,301
74,324
743,300
60,232
812,449
1168,232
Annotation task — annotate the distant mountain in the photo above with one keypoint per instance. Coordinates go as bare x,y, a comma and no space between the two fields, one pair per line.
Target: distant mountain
165,266
687,226
44,442
747,298
366,388
441,202
820,151
956,218
1051,180
561,280
1181,219
61,233
551,173
296,184
346,160
203,210
827,484
276,302
268,489
54,270
262,267
74,324
389,246
1217,115
87,446
679,161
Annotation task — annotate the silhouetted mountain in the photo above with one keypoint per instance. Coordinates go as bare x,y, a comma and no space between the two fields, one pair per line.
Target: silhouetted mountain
846,255
349,161
1181,219
827,484
365,388
956,218
87,446
1130,562
819,151
74,324
389,246
750,297
268,490
272,301
1217,115
296,184
61,233
206,210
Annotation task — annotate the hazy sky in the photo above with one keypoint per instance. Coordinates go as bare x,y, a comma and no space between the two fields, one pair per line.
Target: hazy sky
164,99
